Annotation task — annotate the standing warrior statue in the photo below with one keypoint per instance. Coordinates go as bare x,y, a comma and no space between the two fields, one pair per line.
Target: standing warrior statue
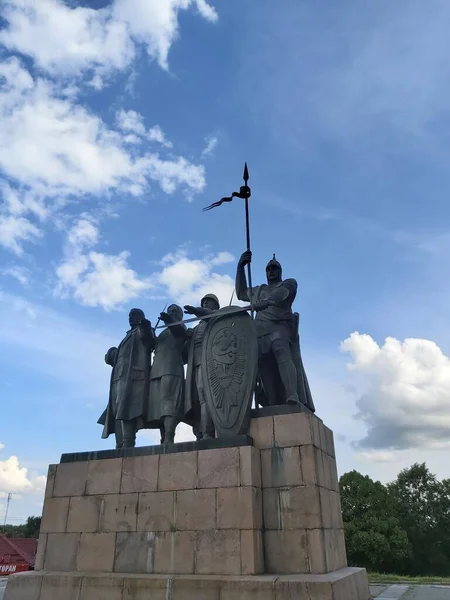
279,359
166,406
128,394
195,396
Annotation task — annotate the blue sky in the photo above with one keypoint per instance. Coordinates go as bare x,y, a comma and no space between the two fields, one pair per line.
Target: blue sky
122,119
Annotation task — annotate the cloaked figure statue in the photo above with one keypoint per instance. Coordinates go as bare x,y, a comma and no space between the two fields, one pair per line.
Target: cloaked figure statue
282,377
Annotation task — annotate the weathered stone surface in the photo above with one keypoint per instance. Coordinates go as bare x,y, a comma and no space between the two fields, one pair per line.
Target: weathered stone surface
316,427
174,552
218,468
239,508
345,584
70,479
262,432
50,481
281,467
218,552
27,586
334,475
308,456
150,588
177,471
135,552
61,587
252,552
101,587
84,514
326,508
96,552
61,552
286,551
119,512
40,554
329,440
316,550
54,515
250,466
260,589
293,429
156,511
193,589
139,474
292,508
195,510
336,510
335,554
104,476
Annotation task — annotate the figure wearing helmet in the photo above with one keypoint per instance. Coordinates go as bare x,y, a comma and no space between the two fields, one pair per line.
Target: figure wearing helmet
196,408
280,366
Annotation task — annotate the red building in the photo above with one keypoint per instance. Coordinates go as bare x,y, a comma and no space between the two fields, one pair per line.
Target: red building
16,555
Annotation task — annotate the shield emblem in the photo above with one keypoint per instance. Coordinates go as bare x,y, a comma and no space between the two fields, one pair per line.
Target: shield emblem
230,354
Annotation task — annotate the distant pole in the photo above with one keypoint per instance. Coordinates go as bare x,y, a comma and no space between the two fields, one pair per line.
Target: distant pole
8,500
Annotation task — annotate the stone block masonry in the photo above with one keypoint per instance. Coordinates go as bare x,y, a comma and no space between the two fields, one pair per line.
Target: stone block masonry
254,517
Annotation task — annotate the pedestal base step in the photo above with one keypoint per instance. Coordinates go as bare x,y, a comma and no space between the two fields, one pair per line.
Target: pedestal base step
345,584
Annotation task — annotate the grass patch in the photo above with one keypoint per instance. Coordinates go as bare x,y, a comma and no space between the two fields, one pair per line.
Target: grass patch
391,578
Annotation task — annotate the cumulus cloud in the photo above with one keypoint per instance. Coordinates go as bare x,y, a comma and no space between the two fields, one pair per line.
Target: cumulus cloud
68,41
405,397
188,279
54,150
94,278
15,479
47,142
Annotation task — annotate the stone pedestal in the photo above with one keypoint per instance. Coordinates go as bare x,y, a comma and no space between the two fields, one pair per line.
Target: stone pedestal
252,517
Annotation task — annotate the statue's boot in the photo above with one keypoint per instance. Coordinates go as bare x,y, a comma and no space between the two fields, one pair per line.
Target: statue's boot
129,434
170,424
208,431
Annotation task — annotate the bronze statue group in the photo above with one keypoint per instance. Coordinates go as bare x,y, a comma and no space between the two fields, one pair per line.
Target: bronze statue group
146,394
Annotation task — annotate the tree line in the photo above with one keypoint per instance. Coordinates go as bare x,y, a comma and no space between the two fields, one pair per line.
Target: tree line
402,527
30,529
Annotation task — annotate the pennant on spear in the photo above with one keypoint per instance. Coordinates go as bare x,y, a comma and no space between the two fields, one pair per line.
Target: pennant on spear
244,193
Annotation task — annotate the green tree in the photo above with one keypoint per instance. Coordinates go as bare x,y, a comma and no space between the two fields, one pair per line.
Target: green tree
32,527
373,535
422,504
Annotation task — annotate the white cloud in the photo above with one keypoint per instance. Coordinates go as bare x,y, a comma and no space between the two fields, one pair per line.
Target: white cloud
156,134
130,120
15,479
69,41
83,233
187,279
405,397
210,146
2,446
51,144
155,23
94,278
15,230
101,280
53,150
17,272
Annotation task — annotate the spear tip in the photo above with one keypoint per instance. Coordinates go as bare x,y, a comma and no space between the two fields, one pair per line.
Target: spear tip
246,176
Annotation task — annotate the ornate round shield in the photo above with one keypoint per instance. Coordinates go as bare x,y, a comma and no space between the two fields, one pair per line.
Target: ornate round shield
230,354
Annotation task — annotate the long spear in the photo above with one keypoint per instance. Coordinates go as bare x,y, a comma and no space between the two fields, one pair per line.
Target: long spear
244,193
